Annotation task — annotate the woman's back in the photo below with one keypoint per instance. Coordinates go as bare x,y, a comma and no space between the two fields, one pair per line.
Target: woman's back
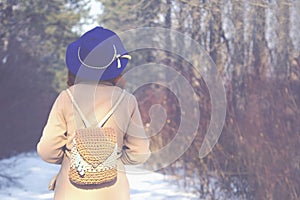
95,100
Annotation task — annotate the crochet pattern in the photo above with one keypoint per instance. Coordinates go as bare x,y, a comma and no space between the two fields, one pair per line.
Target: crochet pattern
93,156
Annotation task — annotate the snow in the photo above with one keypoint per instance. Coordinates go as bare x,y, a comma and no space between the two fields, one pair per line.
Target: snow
33,175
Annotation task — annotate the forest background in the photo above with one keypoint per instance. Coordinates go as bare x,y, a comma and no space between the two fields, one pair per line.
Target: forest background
255,45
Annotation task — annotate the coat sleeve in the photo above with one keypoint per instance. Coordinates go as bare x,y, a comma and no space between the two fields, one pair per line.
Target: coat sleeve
136,144
52,143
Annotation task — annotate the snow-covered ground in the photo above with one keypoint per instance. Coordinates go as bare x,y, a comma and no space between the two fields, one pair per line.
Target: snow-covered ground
33,175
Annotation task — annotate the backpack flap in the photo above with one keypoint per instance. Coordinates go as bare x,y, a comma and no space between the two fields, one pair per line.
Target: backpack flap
95,145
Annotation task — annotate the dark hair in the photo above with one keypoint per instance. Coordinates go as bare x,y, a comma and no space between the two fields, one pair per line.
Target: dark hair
72,77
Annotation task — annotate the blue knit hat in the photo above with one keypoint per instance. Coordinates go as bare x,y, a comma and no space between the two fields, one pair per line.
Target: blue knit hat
97,55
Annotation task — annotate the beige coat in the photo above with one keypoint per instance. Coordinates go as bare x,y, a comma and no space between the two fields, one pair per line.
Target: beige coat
63,120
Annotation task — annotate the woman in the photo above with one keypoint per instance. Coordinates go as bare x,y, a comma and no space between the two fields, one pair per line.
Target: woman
95,62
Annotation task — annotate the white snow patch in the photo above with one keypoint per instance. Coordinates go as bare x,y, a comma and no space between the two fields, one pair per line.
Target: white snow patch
33,176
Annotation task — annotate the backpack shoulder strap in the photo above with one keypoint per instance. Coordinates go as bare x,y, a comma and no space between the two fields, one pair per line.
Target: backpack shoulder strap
112,110
83,118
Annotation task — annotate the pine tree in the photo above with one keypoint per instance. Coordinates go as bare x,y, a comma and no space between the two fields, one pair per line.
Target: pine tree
33,38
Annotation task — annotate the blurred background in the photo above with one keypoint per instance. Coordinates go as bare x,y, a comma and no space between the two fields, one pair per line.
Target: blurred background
255,45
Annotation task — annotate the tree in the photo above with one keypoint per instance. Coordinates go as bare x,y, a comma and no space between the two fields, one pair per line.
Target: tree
34,35
282,52
255,45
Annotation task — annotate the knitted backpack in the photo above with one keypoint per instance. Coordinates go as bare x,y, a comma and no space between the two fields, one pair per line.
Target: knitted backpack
93,157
